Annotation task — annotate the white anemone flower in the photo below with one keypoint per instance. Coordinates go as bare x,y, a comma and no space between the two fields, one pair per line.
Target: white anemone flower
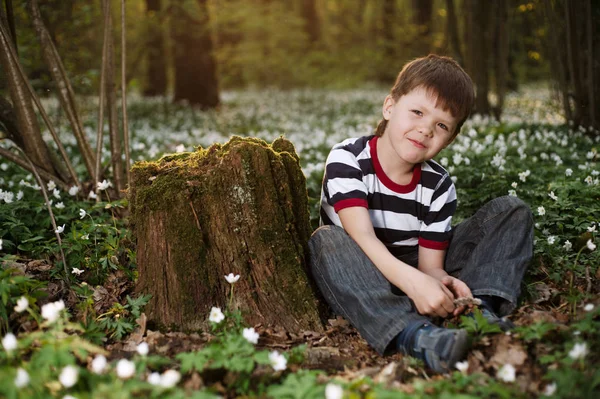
69,376
462,366
99,364
591,246
22,378
216,316
250,335
103,185
22,304
60,205
51,185
507,373
82,213
333,391
9,342
567,245
73,191
278,361
125,369
77,271
154,378
0,244
541,210
51,311
579,351
550,389
143,348
589,307
169,378
231,278
60,229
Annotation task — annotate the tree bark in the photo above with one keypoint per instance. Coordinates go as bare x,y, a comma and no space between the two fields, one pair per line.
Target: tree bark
501,64
422,10
195,67
156,51
238,208
311,20
479,53
452,32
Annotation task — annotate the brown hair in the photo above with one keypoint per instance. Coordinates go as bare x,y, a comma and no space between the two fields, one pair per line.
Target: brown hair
442,77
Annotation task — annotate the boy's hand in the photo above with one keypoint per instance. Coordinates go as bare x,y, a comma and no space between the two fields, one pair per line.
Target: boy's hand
431,297
459,289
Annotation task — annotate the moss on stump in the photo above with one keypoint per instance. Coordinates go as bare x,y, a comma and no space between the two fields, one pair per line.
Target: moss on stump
239,208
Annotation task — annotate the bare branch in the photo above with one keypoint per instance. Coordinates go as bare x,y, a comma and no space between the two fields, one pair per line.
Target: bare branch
100,134
25,165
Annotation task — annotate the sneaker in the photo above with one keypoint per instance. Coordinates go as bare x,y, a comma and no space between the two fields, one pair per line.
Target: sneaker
492,318
441,348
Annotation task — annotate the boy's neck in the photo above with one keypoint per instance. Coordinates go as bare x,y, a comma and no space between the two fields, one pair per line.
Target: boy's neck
399,172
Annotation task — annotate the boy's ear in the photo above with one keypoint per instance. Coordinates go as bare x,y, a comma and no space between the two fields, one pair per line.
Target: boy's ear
388,103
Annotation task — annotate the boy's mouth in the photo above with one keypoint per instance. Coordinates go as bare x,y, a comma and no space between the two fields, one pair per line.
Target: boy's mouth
416,143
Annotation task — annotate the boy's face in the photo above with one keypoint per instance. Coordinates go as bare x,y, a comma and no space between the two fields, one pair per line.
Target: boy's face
417,130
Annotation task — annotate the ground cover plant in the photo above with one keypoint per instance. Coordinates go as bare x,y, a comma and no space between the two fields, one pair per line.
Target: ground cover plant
80,331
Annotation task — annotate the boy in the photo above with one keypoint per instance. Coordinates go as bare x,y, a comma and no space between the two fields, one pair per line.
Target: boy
386,257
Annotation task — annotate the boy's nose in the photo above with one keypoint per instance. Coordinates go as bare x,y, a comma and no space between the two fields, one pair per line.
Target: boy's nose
425,130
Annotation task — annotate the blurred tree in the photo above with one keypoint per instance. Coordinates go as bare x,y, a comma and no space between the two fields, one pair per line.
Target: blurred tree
422,13
452,32
575,51
194,64
311,18
156,84
389,39
477,31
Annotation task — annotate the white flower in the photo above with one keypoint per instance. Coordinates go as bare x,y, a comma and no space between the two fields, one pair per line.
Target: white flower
60,229
69,376
506,373
51,311
250,335
0,243
567,246
180,148
444,161
104,185
77,271
514,184
143,349
591,246
592,228
278,361
73,190
568,172
334,391
579,351
512,193
216,316
85,237
82,213
19,195
99,364
589,307
169,378
553,196
9,342
92,195
22,378
56,193
550,389
231,279
22,305
51,185
589,180
60,205
551,240
541,210
154,378
125,369
462,366
523,175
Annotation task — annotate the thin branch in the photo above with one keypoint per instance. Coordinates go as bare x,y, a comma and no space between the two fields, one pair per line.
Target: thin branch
124,95
40,182
100,134
25,165
40,108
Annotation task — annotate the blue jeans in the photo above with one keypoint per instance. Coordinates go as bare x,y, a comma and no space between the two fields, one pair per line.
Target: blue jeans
490,252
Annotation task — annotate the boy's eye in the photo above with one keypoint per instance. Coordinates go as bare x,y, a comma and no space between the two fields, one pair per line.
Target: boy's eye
443,126
417,112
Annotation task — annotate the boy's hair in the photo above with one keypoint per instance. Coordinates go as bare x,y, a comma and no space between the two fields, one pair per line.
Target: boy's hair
442,77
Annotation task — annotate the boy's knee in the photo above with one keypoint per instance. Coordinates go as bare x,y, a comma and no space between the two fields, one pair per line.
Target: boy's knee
326,236
516,207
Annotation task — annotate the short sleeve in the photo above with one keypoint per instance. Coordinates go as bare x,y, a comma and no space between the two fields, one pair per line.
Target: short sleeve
436,228
343,184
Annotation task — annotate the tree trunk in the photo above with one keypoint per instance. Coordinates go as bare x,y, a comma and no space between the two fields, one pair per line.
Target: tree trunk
155,46
501,64
422,10
452,32
479,53
311,20
238,208
195,68
388,22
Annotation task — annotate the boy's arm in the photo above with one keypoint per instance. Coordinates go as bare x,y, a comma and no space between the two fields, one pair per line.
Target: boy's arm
430,296
431,262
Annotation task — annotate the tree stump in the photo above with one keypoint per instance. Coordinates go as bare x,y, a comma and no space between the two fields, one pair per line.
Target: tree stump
239,208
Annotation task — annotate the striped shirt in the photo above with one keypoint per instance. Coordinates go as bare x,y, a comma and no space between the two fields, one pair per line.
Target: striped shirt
403,216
